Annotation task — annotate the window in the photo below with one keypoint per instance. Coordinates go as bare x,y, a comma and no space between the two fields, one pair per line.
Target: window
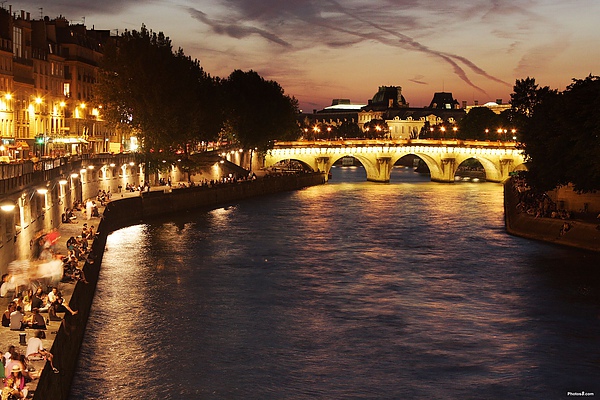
17,42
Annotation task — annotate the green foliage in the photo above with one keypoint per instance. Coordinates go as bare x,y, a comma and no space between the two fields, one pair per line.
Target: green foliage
480,124
257,111
561,137
163,97
525,97
349,129
376,129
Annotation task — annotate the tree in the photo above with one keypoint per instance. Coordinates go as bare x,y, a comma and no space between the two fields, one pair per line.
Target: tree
163,98
349,129
561,138
525,97
257,111
480,123
376,129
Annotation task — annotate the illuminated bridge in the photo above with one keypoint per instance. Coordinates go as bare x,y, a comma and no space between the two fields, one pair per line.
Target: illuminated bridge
443,157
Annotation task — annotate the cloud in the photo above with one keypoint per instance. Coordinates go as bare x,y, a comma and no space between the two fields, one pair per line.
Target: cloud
237,31
306,23
418,81
539,58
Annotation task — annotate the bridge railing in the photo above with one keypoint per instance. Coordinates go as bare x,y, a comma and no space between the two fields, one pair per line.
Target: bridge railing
397,142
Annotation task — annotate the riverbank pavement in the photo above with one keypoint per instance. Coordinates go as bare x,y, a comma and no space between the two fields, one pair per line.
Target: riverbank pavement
19,338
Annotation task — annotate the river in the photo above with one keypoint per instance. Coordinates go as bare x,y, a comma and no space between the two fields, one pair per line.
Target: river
349,290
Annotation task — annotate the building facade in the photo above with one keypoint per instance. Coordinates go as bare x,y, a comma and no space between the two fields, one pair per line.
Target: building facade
389,105
48,68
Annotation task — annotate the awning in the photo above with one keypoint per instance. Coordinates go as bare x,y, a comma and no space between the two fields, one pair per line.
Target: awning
18,146
69,140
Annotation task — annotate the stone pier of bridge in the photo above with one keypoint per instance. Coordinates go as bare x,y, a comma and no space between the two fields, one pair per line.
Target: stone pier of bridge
443,157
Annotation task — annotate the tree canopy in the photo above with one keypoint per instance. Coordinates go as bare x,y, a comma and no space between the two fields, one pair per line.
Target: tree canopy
168,101
376,129
257,111
561,135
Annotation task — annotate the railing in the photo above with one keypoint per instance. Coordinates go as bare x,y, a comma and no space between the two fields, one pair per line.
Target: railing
15,176
397,142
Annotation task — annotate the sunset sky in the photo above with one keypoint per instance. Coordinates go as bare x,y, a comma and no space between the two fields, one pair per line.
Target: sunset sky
325,49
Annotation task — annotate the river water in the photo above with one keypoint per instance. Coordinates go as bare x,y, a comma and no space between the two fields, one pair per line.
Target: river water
349,290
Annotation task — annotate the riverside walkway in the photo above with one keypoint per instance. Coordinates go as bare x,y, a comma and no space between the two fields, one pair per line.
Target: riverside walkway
9,337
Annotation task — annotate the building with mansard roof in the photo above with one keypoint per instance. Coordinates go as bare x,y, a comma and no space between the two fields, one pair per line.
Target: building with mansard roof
48,68
390,105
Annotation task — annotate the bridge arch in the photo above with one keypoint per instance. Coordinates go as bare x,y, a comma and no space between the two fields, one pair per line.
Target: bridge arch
442,157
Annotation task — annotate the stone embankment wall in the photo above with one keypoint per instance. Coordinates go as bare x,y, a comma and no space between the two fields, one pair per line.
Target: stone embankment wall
128,211
583,235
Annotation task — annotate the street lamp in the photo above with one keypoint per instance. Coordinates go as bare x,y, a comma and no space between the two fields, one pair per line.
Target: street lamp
7,206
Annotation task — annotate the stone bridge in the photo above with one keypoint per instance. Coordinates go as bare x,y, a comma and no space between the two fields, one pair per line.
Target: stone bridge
443,157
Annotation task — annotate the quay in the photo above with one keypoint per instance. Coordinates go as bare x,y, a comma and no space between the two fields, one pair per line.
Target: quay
64,338
581,233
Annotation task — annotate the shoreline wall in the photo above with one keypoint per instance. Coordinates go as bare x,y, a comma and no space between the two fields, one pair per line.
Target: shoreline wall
129,211
582,235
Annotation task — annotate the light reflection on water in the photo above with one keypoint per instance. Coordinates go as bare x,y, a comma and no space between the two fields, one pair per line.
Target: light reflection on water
349,290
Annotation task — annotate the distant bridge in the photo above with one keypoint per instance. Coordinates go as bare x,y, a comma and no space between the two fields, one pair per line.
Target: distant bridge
443,157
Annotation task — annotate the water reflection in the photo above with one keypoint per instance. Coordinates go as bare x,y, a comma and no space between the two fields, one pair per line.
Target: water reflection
348,290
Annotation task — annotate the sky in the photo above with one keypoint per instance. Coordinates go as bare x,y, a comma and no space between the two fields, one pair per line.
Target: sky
319,50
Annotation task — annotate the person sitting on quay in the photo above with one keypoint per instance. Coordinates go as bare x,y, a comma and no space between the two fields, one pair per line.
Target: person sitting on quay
78,275
38,301
8,355
84,230
52,295
71,243
36,351
6,315
24,300
59,306
91,233
18,360
82,244
35,320
16,320
15,386
8,285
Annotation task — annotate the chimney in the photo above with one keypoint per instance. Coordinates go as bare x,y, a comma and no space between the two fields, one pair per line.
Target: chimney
498,101
464,104
28,16
476,102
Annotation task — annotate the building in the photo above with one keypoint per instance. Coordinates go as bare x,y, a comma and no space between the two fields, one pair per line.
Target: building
48,68
496,106
389,104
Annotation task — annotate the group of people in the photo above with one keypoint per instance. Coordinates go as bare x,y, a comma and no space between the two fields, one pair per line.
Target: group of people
103,196
25,310
24,313
130,187
538,205
17,369
78,252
